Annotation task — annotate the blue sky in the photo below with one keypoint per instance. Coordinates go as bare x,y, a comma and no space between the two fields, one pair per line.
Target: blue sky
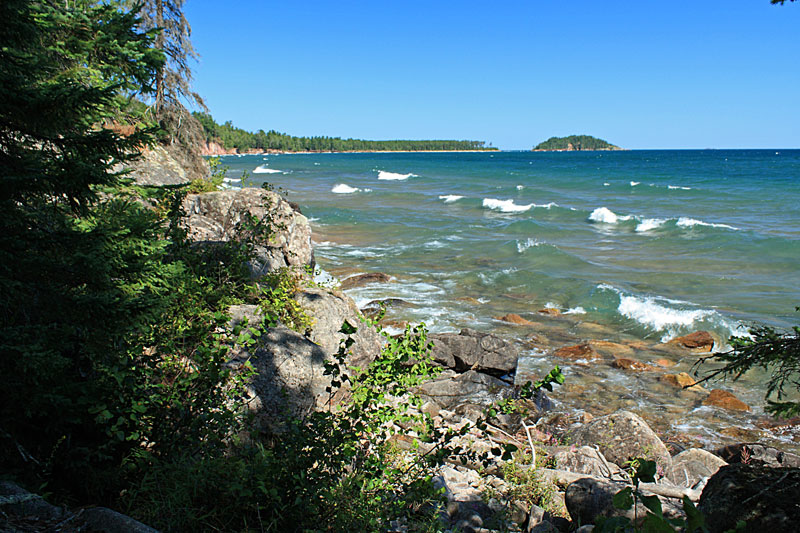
640,74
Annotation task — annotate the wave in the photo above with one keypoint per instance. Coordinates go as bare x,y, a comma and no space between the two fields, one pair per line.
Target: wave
606,216
262,169
649,224
450,198
342,188
687,222
529,243
520,187
673,187
394,176
635,183
505,206
575,311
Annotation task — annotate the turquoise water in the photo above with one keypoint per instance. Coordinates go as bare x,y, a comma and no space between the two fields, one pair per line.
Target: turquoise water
657,243
631,247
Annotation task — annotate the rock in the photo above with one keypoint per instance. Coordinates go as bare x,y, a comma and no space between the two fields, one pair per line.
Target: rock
630,364
240,313
474,350
290,377
758,455
156,167
622,436
18,501
666,363
108,521
550,311
613,349
690,466
469,300
583,460
700,341
681,380
452,389
513,318
578,352
359,280
214,217
588,499
330,309
725,400
544,527
765,498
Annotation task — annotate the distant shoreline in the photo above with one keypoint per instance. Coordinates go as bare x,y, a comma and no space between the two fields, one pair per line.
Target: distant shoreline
280,152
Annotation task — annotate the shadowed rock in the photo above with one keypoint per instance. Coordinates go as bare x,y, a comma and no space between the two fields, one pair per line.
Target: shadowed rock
474,350
359,280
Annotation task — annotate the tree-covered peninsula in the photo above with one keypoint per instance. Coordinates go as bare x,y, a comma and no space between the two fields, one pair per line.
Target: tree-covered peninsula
575,143
231,138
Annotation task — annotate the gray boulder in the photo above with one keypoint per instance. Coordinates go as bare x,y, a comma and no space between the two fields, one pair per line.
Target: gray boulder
758,454
475,350
763,497
215,216
622,436
156,167
329,310
583,460
692,466
451,389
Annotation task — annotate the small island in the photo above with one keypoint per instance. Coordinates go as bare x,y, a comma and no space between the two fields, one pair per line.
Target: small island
574,143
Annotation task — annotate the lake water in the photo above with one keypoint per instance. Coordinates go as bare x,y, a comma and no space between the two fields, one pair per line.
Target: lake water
632,247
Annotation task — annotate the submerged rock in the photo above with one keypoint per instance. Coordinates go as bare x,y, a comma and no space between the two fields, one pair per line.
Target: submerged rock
631,364
725,400
700,341
766,499
359,280
513,318
578,352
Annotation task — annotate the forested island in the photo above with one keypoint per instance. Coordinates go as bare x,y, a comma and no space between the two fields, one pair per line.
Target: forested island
574,143
230,138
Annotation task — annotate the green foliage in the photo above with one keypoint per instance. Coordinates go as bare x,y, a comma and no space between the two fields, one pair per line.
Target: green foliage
232,137
653,520
777,352
578,142
213,182
277,291
530,487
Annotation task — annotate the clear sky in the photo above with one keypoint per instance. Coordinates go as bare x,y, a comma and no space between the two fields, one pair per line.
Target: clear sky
640,74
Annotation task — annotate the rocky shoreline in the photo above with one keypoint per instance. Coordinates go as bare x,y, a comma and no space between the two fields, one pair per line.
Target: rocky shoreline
584,455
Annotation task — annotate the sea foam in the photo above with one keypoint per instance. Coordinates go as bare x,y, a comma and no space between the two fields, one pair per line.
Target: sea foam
687,222
393,176
450,198
342,188
654,314
606,216
649,224
529,243
262,169
505,206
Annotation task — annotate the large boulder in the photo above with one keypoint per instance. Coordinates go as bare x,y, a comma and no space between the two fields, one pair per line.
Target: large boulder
474,350
289,377
622,436
330,309
216,216
758,454
765,498
156,167
451,389
583,460
691,466
587,499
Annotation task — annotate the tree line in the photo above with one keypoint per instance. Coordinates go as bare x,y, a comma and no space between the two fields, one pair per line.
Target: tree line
229,136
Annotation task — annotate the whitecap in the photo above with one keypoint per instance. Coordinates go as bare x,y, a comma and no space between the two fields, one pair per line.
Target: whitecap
262,169
575,311
649,312
342,188
520,187
673,187
529,243
635,183
687,222
606,216
649,224
450,198
394,176
505,206
606,184
546,206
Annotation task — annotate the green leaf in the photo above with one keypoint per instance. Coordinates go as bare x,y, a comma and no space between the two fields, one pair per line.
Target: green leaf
656,524
694,518
347,328
623,499
646,471
652,503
